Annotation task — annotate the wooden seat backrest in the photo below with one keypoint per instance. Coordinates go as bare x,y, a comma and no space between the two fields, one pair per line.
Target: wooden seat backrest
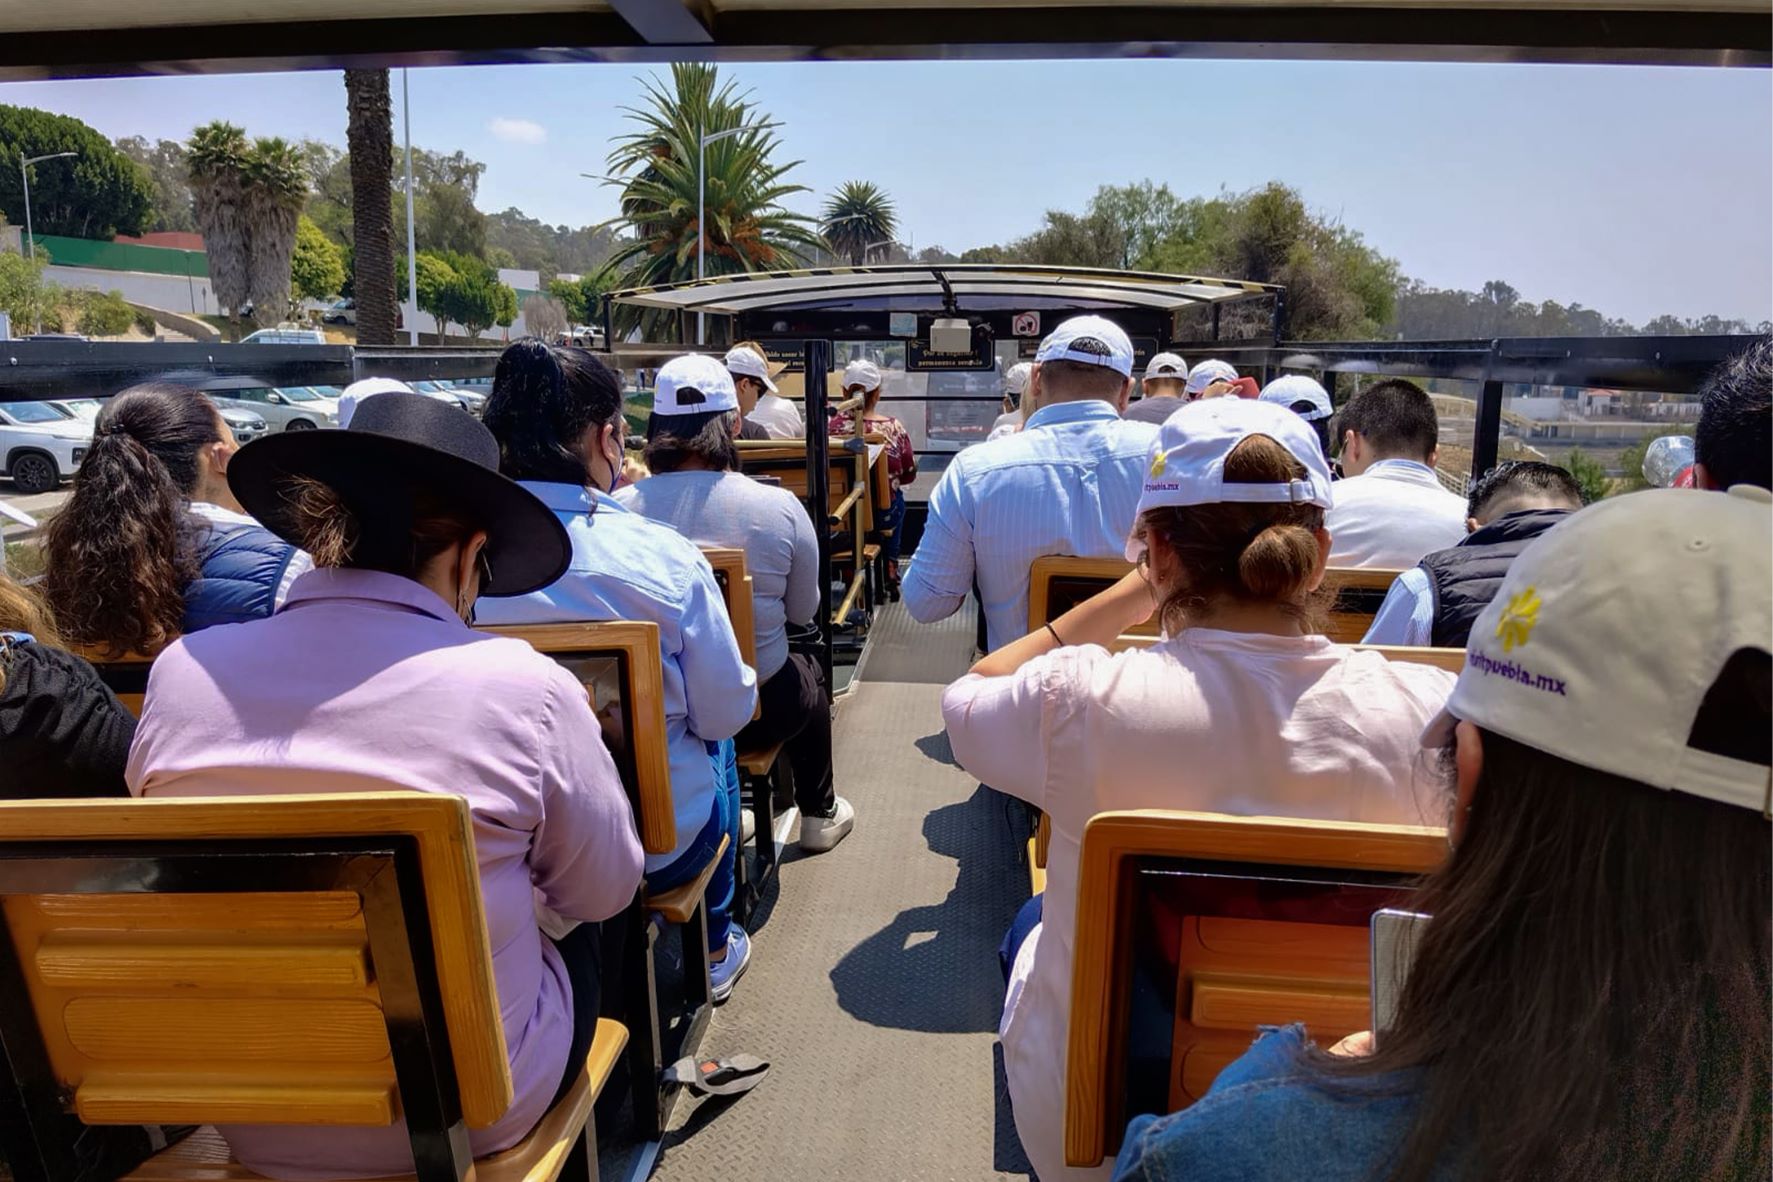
737,588
1359,591
1237,921
619,663
292,959
1059,582
786,461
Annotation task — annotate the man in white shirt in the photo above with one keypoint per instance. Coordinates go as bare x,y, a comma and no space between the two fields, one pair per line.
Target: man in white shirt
1391,508
1067,484
1015,408
759,402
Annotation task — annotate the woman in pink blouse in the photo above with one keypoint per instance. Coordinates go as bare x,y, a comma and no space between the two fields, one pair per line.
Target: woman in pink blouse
861,379
369,677
1241,708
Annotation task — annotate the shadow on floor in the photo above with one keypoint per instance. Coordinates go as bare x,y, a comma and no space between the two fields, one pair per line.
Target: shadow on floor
936,749
934,968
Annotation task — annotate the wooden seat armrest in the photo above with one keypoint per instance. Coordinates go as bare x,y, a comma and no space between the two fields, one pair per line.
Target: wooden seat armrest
1037,873
843,507
680,902
760,761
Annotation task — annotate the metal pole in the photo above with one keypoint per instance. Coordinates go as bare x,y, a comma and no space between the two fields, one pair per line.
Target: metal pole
412,258
1487,430
701,216
816,364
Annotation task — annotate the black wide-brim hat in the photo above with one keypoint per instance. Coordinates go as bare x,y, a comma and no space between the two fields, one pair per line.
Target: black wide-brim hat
397,442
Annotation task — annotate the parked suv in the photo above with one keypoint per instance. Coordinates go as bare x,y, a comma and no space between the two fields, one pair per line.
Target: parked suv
286,408
341,312
285,336
41,444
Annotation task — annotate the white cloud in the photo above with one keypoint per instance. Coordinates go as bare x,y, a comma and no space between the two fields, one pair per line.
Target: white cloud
517,131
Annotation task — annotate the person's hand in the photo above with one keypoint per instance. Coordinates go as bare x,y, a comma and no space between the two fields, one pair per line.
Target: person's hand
1131,601
1356,1046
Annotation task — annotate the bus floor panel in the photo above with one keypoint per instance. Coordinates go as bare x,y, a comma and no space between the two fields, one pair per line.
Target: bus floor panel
874,988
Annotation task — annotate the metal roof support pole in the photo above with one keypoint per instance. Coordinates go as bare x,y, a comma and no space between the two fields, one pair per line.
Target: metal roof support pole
609,325
1486,441
816,363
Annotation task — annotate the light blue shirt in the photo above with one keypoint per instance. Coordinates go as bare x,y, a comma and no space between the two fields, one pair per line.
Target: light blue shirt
625,567
1407,615
1067,483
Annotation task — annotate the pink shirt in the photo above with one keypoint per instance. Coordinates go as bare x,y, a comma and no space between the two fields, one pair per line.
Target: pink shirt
1226,722
364,681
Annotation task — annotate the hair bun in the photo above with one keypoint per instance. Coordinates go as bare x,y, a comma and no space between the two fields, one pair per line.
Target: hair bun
1278,561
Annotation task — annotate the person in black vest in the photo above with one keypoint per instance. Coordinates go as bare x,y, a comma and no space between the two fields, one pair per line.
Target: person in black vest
1436,601
152,543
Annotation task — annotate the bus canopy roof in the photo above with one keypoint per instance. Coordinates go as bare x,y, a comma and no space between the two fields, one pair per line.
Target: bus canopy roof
926,287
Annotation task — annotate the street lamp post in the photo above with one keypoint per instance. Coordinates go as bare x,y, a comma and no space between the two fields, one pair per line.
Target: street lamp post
702,214
24,179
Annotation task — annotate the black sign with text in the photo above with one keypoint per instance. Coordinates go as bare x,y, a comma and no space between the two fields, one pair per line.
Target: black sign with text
919,359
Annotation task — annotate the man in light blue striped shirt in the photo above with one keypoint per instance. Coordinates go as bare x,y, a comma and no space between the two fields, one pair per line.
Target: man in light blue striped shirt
1067,483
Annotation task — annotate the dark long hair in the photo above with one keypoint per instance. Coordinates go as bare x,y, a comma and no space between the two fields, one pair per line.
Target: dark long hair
121,552
1590,1000
674,440
544,398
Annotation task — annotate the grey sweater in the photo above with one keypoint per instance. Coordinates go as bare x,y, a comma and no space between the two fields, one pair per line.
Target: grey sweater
769,524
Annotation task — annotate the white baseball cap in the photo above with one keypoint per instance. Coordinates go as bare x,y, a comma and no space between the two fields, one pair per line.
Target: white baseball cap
1166,365
1207,372
357,391
693,384
1090,340
744,362
1612,627
1187,464
1016,381
865,374
1296,387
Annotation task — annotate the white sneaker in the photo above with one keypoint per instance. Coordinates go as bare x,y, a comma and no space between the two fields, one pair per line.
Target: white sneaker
747,826
818,834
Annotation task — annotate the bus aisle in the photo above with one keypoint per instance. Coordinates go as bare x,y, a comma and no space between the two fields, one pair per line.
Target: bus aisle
874,990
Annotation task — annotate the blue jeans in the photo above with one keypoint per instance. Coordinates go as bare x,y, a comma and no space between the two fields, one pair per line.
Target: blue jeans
1027,919
723,820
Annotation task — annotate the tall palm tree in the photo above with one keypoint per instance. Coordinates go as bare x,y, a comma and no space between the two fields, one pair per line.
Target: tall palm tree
369,137
276,188
856,217
216,162
747,228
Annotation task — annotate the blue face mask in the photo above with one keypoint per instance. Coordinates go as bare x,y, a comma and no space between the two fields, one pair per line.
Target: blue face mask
615,463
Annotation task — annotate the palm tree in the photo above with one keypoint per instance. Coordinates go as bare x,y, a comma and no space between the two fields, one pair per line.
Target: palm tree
747,230
216,162
276,188
369,137
859,215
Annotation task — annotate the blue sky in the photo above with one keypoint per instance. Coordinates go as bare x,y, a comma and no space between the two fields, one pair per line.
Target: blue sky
1637,191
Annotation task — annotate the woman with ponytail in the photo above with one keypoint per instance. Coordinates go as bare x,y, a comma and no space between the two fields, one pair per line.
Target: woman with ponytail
557,414
152,543
1241,708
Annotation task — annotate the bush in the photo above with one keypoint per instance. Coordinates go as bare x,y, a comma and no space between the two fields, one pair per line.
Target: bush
1590,476
102,313
146,324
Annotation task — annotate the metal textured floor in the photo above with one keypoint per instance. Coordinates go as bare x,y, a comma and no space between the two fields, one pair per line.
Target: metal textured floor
874,988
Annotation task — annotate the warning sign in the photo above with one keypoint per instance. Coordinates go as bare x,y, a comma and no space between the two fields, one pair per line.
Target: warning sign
1026,324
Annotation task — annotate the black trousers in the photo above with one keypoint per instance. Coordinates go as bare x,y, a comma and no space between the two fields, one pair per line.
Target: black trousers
796,709
581,953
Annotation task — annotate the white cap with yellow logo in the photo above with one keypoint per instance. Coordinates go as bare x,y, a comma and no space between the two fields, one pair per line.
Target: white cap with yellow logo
1613,626
1186,465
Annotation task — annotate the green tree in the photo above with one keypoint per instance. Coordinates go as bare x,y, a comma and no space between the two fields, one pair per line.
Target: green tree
164,162
317,268
551,250
581,298
656,165
1590,476
369,135
24,295
102,313
470,297
436,278
504,305
95,194
856,217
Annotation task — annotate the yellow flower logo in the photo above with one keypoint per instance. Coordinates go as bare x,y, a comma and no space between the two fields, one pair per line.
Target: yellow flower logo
1518,619
1159,463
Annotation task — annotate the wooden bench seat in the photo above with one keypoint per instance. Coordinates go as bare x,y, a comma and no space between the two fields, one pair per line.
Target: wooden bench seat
539,1157
680,902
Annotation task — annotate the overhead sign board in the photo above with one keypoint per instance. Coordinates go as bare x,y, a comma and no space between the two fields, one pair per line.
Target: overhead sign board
919,359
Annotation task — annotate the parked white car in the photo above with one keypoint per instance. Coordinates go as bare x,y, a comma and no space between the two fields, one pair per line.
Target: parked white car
285,336
246,425
41,445
285,408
